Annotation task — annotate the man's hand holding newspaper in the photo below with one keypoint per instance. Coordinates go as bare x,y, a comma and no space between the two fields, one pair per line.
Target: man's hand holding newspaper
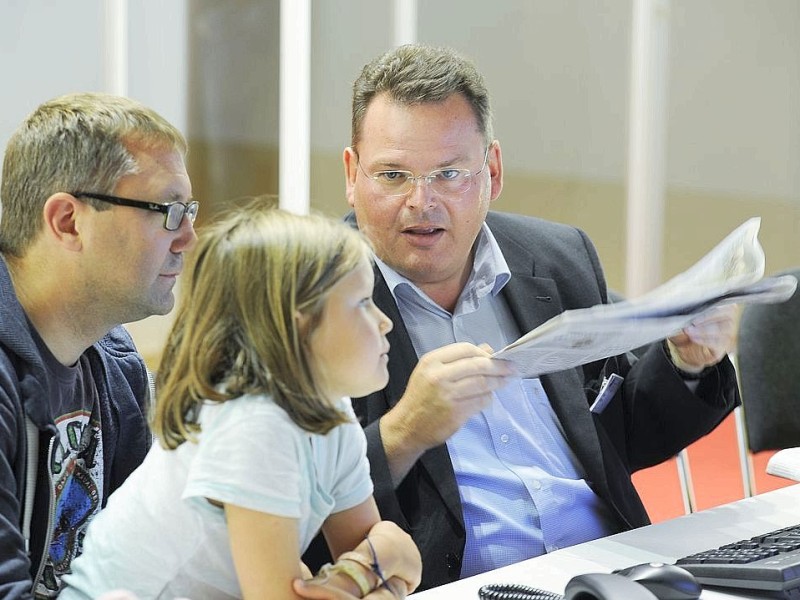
731,273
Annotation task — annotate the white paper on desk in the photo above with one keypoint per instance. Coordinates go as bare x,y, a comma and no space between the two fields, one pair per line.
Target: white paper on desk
785,463
730,273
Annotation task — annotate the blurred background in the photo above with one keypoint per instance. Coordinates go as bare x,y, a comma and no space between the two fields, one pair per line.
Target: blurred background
559,72
562,80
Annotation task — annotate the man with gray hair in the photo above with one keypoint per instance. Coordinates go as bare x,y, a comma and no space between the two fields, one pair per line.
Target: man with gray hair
96,215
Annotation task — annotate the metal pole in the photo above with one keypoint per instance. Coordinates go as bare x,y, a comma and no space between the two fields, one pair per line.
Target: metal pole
294,155
405,22
646,167
116,47
647,147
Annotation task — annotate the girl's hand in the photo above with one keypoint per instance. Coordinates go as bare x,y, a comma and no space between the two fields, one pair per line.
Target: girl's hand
322,589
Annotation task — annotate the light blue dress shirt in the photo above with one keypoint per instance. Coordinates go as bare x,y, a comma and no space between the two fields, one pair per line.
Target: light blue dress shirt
522,489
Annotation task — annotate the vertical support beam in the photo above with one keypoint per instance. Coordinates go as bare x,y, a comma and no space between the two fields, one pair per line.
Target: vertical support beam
405,22
647,146
646,168
686,482
294,153
745,457
115,13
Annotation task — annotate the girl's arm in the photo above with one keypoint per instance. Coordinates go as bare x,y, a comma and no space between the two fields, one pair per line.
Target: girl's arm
378,550
265,551
344,530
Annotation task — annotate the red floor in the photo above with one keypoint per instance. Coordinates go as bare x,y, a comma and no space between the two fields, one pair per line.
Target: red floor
715,472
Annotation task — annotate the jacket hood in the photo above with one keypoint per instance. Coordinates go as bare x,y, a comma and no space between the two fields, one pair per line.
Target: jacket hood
15,337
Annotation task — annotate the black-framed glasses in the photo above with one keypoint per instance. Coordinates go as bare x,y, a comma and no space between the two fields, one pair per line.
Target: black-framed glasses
448,181
173,211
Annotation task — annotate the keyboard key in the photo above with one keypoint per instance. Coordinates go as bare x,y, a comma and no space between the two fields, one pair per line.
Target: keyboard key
769,562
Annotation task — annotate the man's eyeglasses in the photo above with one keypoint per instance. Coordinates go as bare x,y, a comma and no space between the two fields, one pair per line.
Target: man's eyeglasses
394,183
173,211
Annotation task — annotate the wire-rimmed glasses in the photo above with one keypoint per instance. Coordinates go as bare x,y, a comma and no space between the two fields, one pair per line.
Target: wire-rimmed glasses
392,183
173,211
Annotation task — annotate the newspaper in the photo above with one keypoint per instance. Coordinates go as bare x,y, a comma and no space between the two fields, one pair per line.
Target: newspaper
730,273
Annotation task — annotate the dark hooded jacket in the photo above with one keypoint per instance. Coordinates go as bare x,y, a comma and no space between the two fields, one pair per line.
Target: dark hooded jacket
122,385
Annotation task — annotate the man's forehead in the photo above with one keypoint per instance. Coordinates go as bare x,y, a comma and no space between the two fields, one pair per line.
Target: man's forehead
160,172
420,123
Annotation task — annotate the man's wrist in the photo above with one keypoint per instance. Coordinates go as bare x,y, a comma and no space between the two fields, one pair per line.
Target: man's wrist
401,453
686,371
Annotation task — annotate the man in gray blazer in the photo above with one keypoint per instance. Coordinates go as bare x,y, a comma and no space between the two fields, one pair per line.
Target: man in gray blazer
484,468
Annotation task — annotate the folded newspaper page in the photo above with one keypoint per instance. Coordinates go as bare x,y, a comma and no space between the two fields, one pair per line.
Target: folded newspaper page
731,273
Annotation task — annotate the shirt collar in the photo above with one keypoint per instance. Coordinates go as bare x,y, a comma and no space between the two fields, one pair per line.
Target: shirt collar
489,274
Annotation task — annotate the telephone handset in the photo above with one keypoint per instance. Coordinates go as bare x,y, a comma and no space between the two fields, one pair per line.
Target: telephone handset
592,586
649,581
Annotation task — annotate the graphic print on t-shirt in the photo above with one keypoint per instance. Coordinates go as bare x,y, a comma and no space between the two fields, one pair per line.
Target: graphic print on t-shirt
77,469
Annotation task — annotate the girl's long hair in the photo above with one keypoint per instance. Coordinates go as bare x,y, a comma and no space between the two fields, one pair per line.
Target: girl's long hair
236,330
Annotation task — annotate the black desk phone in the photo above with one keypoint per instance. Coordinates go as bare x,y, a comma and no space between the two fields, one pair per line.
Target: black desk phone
650,581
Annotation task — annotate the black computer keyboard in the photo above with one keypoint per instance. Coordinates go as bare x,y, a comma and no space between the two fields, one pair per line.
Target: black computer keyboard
769,562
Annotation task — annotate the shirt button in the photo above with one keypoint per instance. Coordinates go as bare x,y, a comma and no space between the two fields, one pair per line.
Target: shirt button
537,485
504,438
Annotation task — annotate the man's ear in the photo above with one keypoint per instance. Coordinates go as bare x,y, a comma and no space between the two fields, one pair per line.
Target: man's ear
495,166
60,214
350,160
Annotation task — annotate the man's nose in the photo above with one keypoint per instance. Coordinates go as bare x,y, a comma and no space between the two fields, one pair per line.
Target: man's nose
186,238
421,194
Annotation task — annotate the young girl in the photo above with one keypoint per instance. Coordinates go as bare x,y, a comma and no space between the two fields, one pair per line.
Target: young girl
258,444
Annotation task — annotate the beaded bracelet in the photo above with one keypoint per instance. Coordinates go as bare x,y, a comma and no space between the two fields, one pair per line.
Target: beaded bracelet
351,571
356,558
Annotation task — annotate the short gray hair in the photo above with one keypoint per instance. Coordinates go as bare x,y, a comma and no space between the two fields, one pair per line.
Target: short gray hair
417,74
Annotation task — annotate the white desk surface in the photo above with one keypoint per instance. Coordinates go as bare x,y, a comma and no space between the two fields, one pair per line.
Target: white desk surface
662,542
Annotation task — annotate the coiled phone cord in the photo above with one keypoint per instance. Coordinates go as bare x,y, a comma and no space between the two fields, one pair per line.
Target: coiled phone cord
515,591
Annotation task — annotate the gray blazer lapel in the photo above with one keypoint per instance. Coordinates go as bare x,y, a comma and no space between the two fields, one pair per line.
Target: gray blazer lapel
403,359
402,356
532,301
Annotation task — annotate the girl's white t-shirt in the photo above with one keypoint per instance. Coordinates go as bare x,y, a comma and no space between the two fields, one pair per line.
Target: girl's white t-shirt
159,537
